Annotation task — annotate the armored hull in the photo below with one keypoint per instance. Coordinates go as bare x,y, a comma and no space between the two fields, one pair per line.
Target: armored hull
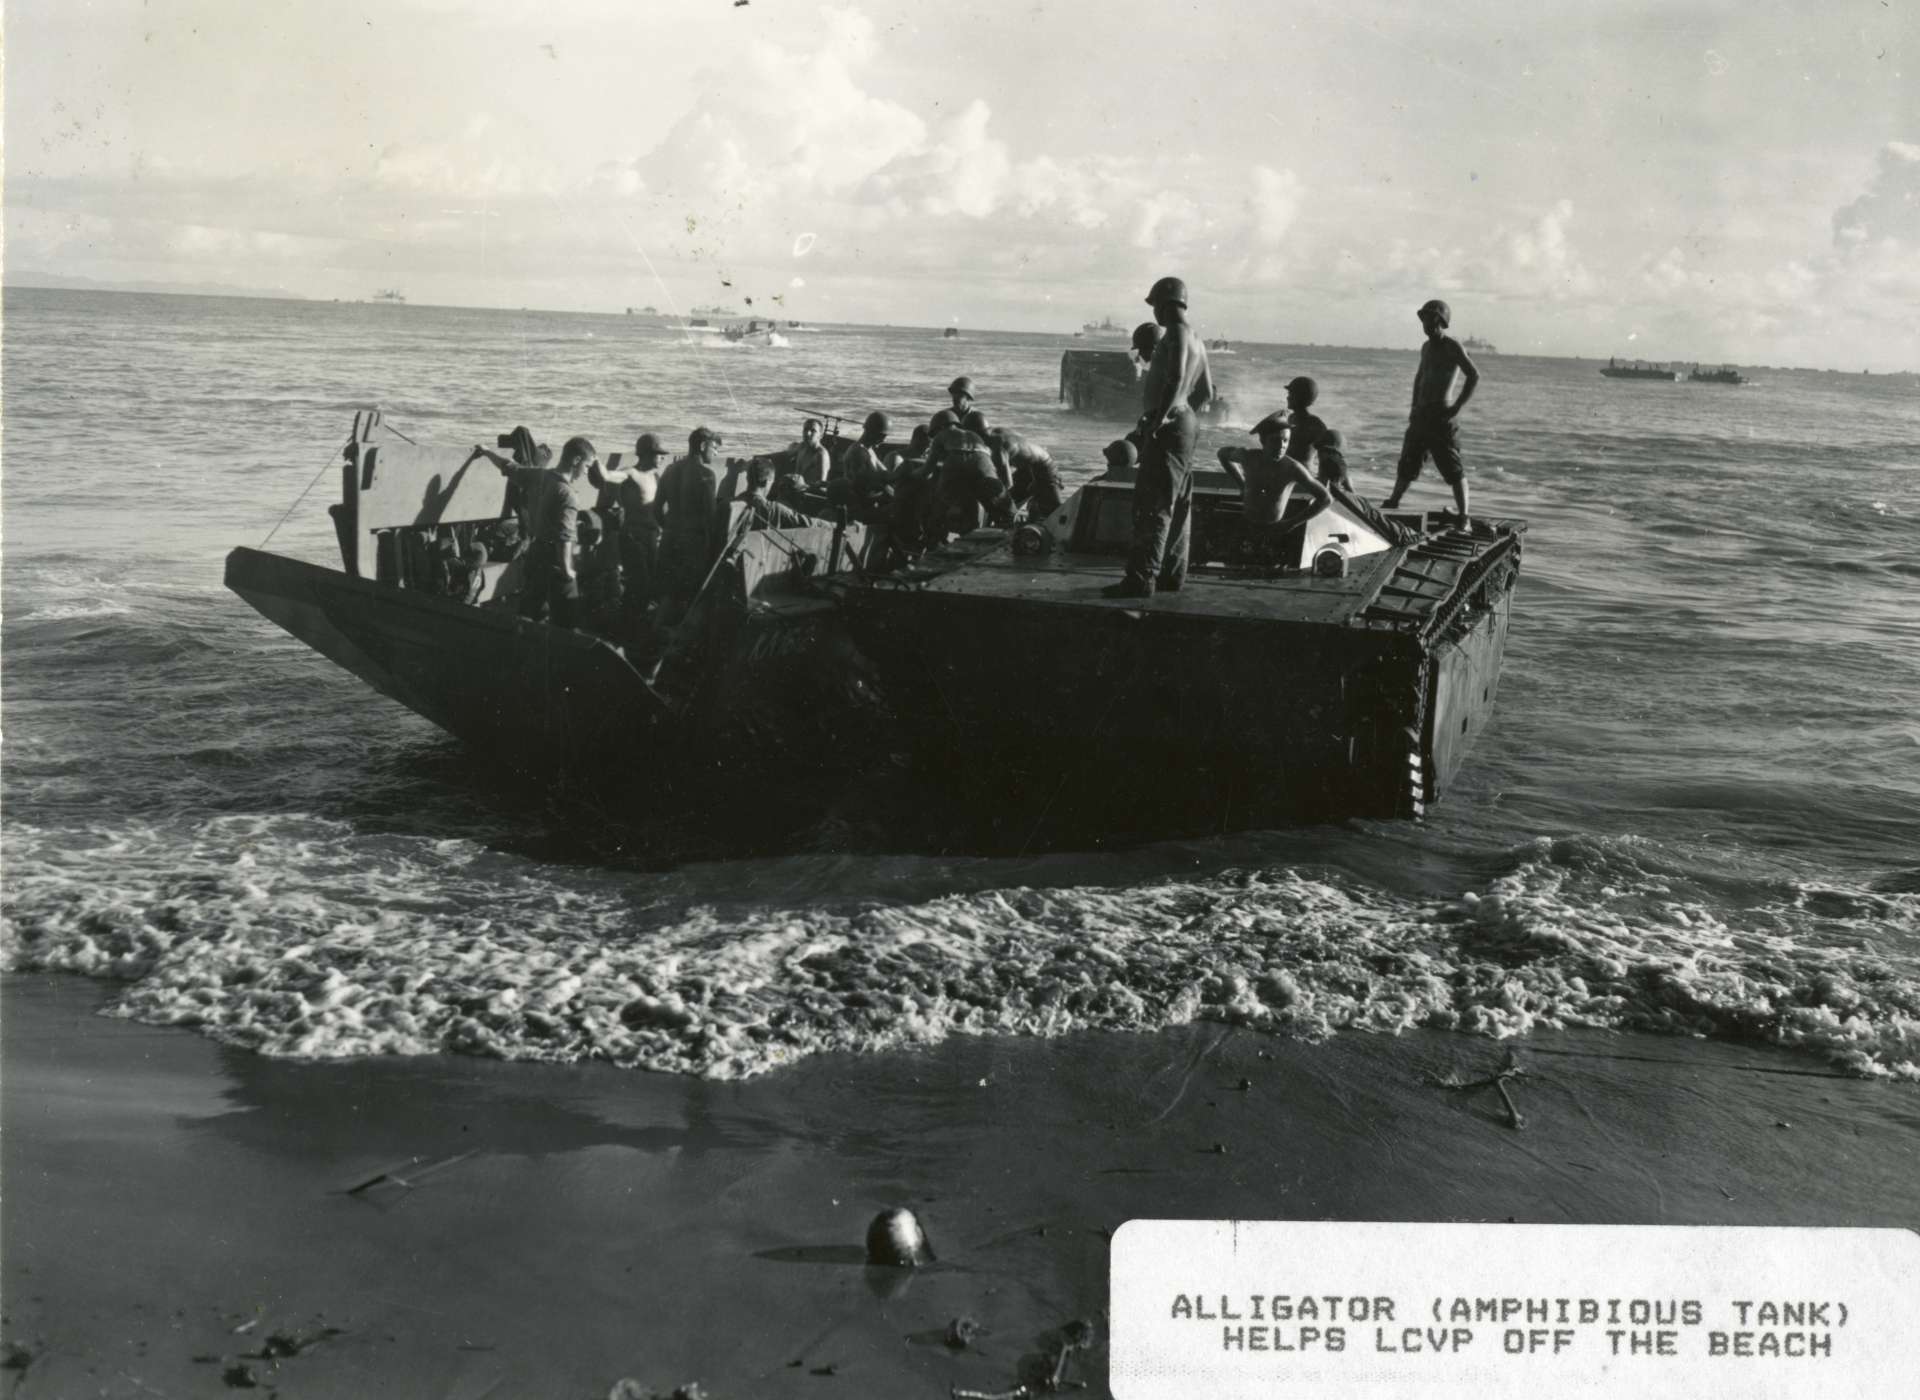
1252,696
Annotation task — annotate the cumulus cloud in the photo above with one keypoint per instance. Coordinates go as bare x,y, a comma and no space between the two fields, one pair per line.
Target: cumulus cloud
785,123
1541,259
1274,203
1890,207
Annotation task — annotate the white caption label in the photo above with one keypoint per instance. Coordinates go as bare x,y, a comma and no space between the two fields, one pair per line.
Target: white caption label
1262,1308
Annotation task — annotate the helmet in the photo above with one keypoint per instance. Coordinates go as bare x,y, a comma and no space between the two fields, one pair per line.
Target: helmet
647,448
1441,311
877,423
1146,337
975,422
1168,289
941,421
1309,391
962,385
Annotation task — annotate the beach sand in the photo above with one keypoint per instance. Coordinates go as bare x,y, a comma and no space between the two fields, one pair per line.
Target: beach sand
565,1227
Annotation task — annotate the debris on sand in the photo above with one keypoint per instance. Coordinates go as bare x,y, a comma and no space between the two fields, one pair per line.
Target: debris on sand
896,1241
961,1332
1497,1081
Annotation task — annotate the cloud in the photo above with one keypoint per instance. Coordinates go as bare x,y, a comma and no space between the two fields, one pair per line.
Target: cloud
1890,207
1540,260
784,124
1274,203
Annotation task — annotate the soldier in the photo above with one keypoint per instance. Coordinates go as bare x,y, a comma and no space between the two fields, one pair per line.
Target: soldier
628,498
1269,477
967,477
1029,472
553,506
961,391
689,539
1312,440
1178,383
1430,427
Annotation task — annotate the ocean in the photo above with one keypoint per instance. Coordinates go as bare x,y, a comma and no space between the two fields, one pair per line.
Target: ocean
1696,811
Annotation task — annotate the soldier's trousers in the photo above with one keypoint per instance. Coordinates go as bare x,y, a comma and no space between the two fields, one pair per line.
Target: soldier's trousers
1163,504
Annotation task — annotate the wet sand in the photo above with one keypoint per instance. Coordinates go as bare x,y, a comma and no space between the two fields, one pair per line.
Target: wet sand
564,1227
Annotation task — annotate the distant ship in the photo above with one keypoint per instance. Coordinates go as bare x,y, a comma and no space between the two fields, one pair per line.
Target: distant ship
727,311
1485,347
1221,347
1104,326
1726,374
1639,369
950,333
388,295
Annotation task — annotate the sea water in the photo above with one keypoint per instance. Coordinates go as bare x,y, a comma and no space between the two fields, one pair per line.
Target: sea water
1696,810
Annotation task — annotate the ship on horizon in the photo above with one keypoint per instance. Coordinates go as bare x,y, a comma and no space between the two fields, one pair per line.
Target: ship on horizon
388,294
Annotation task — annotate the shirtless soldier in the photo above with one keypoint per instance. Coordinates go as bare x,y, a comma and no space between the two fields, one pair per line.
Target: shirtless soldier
1177,384
1430,427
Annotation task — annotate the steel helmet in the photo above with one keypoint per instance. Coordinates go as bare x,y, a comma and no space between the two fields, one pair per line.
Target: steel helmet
1147,337
877,422
1168,289
941,421
962,385
1441,312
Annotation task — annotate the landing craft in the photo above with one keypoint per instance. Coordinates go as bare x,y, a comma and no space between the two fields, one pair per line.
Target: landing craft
1348,675
761,655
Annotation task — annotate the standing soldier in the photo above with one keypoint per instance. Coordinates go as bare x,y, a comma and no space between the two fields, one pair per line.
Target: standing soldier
1178,383
553,507
689,540
628,500
1430,427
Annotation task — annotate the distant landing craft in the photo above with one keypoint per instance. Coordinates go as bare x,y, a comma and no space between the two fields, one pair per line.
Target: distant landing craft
388,295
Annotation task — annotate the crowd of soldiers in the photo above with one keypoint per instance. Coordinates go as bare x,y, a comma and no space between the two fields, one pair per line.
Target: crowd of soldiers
624,550
632,563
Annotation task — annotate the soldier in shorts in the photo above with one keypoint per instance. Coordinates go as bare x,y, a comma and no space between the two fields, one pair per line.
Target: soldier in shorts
1430,427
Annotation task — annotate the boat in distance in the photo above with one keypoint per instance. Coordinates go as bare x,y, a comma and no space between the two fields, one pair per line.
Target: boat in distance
1726,374
1346,676
1639,369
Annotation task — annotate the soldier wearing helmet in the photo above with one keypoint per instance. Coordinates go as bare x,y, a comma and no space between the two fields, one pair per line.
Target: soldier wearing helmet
1178,383
1312,441
961,391
967,477
1430,427
858,480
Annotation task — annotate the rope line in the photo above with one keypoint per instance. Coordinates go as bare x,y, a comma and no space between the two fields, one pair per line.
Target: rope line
296,501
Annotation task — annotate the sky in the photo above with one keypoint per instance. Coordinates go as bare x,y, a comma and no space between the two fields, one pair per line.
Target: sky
1719,180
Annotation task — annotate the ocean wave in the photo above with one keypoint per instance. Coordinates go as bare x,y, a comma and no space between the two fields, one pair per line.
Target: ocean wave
298,937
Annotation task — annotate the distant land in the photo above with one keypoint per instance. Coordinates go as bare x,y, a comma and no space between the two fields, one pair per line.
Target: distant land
59,282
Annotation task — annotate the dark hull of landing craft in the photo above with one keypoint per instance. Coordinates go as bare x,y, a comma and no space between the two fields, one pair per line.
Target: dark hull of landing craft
1105,384
1199,711
763,693
1665,376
